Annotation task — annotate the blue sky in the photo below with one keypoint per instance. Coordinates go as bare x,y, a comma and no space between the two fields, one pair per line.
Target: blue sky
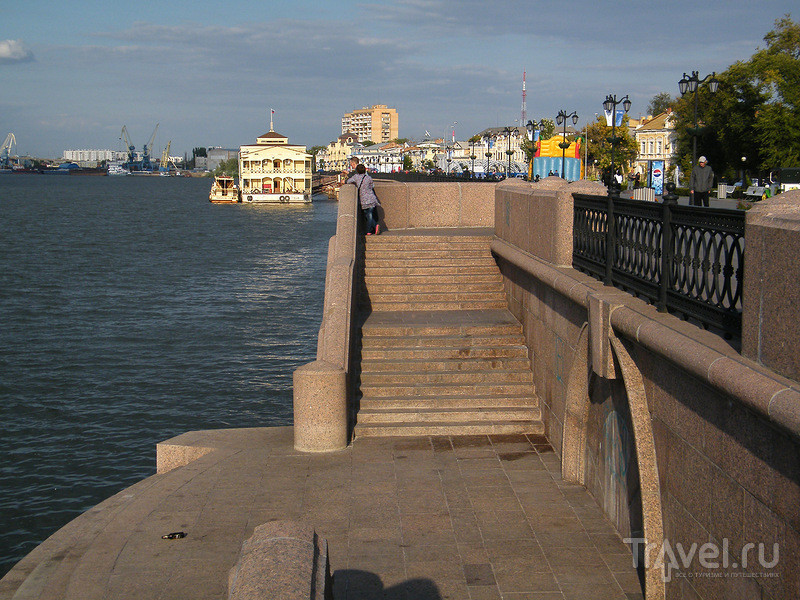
73,73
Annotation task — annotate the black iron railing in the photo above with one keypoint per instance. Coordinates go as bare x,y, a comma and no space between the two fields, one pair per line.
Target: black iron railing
684,259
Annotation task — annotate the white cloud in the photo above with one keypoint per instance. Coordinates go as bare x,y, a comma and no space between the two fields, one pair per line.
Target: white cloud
12,51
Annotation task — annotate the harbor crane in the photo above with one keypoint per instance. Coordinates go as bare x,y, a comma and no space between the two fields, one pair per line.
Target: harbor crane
5,151
163,166
147,164
129,148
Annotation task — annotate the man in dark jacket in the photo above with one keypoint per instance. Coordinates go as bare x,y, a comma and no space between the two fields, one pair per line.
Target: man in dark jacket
701,182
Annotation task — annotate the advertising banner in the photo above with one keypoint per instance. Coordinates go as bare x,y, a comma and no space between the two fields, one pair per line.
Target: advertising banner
657,176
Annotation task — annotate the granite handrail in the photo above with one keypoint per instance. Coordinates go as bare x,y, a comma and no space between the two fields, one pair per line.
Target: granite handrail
762,390
320,388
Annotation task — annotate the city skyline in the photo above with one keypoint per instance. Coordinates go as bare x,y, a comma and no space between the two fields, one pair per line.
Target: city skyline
210,74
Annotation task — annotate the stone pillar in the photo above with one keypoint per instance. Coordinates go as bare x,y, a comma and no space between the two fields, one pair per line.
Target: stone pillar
320,407
771,297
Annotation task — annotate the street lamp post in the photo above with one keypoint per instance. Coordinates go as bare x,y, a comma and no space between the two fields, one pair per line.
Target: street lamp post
531,126
561,119
610,106
690,83
509,131
472,156
488,139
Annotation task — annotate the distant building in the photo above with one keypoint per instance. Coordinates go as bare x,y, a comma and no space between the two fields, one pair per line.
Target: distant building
94,156
215,155
658,141
273,166
376,123
335,156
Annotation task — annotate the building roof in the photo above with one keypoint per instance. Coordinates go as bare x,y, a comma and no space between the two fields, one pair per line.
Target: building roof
662,121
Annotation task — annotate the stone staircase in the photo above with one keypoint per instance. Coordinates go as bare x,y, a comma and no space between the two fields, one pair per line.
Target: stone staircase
440,352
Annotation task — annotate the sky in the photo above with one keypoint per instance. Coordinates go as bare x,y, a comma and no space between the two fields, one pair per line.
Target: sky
73,73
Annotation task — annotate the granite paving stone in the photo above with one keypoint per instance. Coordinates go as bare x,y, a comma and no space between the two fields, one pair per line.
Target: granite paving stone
468,518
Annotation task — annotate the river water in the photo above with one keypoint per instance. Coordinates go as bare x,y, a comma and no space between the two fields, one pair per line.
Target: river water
132,310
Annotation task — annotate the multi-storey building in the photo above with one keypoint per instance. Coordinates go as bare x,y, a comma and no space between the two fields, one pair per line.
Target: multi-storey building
95,156
658,143
377,123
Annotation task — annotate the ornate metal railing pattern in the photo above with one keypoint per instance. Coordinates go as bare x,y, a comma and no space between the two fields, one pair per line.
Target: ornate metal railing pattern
684,259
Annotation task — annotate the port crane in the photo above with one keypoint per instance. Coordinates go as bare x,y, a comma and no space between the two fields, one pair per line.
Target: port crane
5,151
129,148
163,167
147,165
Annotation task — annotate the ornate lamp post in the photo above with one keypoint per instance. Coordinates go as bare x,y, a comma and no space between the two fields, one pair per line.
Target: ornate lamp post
690,83
561,119
472,156
531,127
509,131
610,105
488,139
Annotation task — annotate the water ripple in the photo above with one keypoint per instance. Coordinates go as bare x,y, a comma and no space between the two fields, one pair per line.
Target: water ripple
134,310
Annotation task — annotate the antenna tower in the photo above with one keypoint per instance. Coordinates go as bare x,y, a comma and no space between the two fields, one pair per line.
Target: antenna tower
524,102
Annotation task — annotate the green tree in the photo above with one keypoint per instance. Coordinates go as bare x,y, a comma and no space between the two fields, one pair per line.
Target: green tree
599,149
754,115
400,140
547,129
407,163
228,167
660,103
776,70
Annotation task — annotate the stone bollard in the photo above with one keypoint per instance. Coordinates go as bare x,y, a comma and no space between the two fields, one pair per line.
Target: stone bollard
282,559
320,407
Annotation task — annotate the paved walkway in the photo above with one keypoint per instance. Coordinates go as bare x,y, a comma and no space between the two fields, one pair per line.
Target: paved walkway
428,518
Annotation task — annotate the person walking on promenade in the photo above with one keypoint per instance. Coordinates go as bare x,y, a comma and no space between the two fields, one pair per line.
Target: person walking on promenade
367,199
700,182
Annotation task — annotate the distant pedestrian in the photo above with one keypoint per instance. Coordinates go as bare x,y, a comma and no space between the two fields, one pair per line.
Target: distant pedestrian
637,181
367,199
346,175
700,183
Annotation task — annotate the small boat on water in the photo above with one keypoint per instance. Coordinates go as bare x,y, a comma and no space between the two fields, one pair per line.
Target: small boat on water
117,170
224,191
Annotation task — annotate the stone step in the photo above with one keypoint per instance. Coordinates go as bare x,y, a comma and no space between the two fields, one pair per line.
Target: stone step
457,364
401,378
432,269
431,306
434,402
427,242
450,260
434,334
451,296
449,429
379,285
445,390
391,354
493,278
414,253
446,415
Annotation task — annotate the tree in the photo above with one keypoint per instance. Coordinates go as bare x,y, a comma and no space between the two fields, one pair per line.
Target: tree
776,70
660,103
400,140
754,115
228,167
407,163
599,144
547,128
366,143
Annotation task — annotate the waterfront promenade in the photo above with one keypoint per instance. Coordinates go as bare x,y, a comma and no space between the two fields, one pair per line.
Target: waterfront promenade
422,518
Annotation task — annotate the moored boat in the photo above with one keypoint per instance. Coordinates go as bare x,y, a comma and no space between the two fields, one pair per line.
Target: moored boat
224,191
117,170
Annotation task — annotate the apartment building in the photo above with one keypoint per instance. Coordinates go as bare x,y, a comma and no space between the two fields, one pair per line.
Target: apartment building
377,123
